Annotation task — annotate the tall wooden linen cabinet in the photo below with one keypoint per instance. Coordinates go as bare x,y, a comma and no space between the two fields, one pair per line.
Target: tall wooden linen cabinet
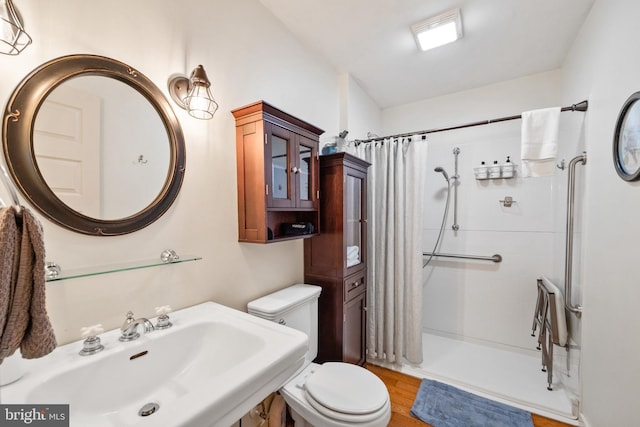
336,259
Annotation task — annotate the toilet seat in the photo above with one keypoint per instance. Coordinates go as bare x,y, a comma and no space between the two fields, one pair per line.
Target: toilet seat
346,392
347,418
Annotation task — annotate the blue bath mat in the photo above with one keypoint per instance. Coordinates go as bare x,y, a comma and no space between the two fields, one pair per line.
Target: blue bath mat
442,405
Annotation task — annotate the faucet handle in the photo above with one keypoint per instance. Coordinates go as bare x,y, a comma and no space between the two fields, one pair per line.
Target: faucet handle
91,344
163,309
91,331
163,319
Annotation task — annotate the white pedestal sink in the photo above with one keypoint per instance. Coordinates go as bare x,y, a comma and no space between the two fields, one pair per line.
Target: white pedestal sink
209,369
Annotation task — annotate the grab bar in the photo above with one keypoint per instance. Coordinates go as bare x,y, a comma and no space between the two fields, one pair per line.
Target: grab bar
494,258
456,181
7,182
568,260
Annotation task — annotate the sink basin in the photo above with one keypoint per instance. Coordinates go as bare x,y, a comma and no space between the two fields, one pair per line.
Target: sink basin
209,369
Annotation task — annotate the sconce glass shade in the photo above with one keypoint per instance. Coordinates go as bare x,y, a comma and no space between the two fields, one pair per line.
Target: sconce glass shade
13,37
200,103
193,94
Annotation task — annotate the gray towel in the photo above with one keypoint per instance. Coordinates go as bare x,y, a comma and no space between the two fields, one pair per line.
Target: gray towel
9,258
24,322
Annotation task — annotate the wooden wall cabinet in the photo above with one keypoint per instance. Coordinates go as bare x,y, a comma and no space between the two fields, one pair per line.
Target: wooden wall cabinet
278,173
336,259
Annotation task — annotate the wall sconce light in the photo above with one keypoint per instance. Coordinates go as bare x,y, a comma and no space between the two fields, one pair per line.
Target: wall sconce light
193,94
13,37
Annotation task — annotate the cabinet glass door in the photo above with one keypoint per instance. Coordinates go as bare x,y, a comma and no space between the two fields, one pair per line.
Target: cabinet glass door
305,172
354,221
279,167
280,161
307,164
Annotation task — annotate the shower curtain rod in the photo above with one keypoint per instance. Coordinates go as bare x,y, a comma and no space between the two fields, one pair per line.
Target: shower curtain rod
580,106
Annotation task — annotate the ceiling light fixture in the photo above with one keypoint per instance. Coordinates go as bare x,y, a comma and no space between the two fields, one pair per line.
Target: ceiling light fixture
193,94
13,37
442,29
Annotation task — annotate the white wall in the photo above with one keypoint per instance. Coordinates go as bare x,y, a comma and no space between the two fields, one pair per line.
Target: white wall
601,67
359,114
479,299
604,66
248,56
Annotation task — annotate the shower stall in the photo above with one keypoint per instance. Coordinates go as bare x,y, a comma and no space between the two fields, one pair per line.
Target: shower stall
480,288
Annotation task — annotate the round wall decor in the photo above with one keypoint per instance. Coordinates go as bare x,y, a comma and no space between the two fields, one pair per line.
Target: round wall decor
626,141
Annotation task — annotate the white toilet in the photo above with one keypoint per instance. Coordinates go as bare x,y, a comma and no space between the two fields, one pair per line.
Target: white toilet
334,393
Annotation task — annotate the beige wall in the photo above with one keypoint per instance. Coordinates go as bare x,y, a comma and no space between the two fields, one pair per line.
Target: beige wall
248,56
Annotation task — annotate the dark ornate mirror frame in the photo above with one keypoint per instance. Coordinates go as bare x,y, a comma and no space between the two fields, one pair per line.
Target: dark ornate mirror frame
618,161
18,124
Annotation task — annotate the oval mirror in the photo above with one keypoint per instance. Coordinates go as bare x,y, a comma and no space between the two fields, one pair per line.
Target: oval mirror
94,145
626,141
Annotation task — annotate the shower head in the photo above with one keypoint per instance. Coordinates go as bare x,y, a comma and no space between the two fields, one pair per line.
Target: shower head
443,172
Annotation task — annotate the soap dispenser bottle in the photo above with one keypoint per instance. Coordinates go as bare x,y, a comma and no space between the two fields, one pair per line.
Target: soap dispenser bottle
507,168
494,170
482,172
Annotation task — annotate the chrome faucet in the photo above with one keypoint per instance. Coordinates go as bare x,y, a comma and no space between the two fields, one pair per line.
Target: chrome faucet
130,326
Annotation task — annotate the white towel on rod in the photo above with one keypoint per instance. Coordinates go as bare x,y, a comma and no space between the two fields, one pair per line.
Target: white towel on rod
539,141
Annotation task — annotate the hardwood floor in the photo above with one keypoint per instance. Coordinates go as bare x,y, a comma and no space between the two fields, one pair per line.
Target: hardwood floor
403,389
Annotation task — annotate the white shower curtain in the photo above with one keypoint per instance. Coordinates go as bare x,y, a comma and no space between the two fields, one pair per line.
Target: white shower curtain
394,249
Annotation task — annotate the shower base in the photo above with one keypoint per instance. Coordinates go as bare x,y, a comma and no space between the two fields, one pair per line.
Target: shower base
506,376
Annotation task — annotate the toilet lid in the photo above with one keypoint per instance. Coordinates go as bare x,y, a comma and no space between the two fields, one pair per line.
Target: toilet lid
346,389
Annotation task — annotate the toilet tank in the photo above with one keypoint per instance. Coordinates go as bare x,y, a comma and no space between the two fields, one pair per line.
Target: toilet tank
295,307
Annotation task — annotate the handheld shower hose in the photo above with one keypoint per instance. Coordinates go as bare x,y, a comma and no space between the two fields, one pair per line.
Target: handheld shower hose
444,216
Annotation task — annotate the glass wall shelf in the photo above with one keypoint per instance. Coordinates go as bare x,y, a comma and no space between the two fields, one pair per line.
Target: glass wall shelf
115,268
